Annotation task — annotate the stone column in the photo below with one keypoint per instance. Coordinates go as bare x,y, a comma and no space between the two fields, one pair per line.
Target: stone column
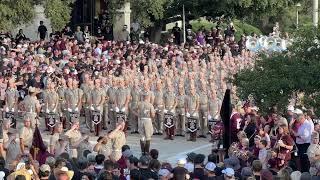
122,18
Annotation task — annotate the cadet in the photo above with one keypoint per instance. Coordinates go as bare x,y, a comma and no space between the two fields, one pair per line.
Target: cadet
69,100
105,118
159,107
4,140
135,95
203,109
118,139
87,99
75,138
192,112
111,93
26,135
181,111
62,103
97,98
51,101
145,112
122,98
31,106
169,107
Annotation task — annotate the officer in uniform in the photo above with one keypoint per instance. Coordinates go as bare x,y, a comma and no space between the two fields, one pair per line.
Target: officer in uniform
180,111
62,103
145,112
111,94
75,138
26,135
4,140
203,109
169,107
122,98
11,97
51,101
118,139
31,106
192,111
159,107
73,97
135,98
69,100
97,100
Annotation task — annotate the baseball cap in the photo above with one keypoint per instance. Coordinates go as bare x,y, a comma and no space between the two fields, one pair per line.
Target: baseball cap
298,111
210,166
45,167
228,172
182,162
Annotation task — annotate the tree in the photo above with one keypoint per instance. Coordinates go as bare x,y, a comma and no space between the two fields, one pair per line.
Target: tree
278,78
15,12
58,11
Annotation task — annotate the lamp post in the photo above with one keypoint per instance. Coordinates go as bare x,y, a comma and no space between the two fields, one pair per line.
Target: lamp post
315,13
298,6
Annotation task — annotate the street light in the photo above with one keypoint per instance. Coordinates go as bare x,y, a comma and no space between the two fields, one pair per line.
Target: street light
298,6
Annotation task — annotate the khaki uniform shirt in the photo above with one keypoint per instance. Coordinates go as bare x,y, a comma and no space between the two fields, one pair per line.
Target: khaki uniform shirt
74,136
169,100
158,99
51,98
203,100
121,97
97,96
27,135
192,103
145,110
111,93
135,98
118,141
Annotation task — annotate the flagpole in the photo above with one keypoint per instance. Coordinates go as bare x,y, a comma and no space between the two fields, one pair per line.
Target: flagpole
184,25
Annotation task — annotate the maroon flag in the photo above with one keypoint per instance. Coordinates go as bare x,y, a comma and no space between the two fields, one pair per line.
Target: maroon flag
38,149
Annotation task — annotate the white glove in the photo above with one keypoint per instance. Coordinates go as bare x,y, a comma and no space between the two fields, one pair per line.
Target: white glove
209,117
47,111
188,115
7,109
92,108
69,109
111,109
54,110
195,114
98,108
12,109
172,111
117,109
165,111
123,109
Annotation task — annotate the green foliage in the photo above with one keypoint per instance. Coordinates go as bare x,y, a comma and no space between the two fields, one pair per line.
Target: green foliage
58,11
15,13
146,12
277,78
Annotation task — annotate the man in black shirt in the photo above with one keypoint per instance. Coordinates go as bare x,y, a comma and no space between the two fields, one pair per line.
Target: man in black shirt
176,32
42,31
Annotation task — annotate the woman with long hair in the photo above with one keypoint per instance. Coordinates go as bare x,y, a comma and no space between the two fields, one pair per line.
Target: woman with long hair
283,146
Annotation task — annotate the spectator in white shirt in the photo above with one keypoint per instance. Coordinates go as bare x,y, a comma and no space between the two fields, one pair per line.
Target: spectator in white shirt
303,139
263,153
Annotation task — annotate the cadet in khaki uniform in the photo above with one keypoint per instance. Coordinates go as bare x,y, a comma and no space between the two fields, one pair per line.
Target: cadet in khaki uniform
145,112
54,138
192,109
25,136
170,106
75,138
118,139
313,153
135,98
105,118
159,107
87,89
31,106
203,109
122,98
111,93
69,100
103,146
62,103
98,97
11,97
51,100
181,111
